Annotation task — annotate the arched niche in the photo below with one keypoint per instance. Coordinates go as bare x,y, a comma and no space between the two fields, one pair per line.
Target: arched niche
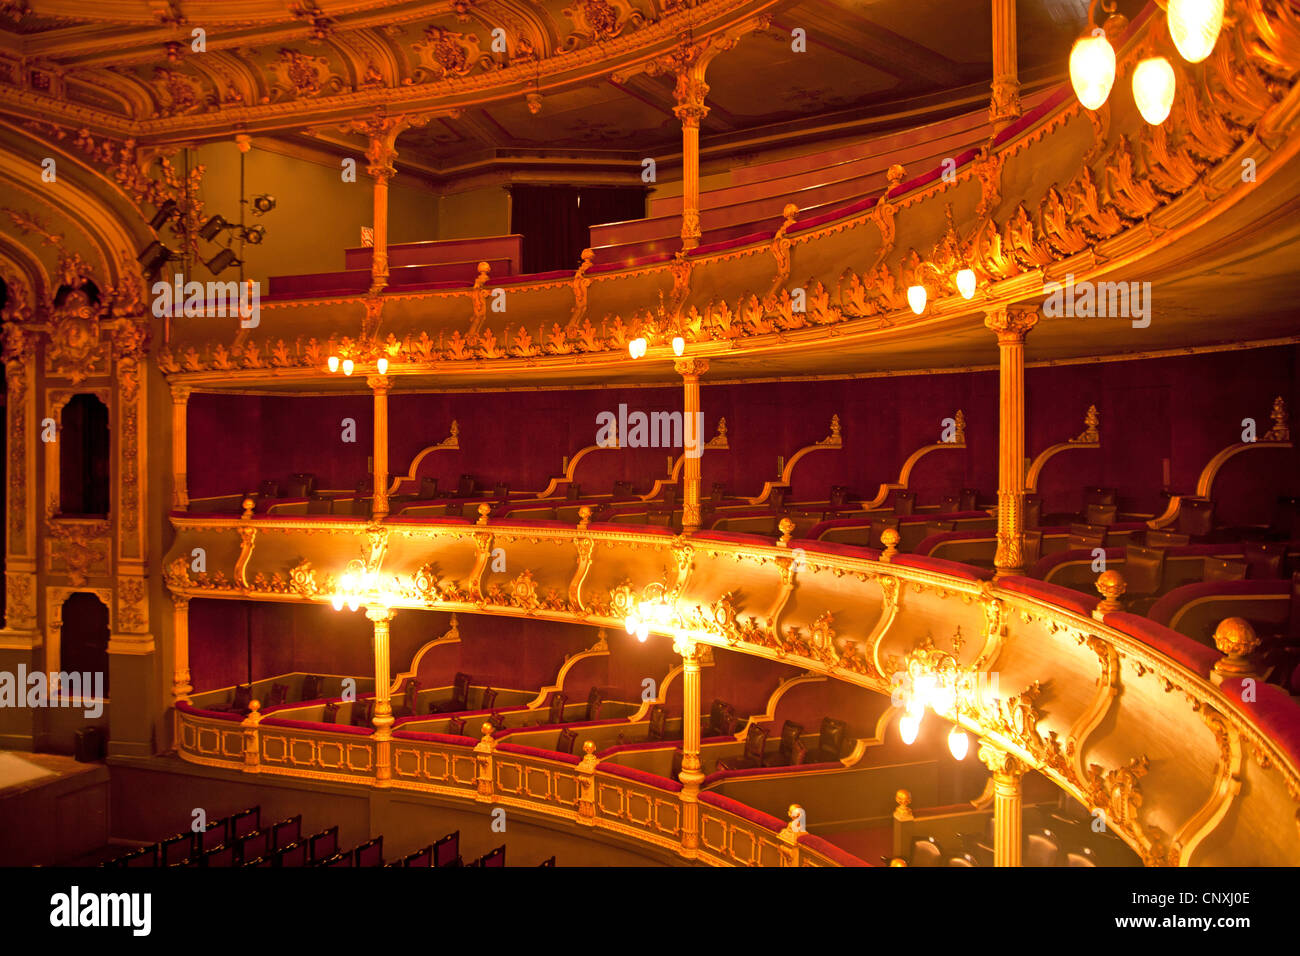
84,447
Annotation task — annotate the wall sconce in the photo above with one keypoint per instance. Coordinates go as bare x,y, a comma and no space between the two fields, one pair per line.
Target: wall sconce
934,678
357,586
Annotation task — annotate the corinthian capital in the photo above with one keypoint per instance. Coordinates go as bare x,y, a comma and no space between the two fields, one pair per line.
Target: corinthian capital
1013,322
999,761
691,367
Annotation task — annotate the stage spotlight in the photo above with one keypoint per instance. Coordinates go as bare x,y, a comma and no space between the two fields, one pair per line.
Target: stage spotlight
164,213
253,235
263,204
154,256
221,261
212,228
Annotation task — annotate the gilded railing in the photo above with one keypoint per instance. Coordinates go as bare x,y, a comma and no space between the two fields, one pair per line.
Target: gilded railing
1126,716
628,804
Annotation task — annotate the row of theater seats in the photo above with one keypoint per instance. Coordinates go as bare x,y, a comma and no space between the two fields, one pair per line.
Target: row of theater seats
241,840
1051,836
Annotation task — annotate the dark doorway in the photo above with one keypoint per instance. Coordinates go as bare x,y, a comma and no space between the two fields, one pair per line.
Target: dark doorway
83,458
84,640
555,221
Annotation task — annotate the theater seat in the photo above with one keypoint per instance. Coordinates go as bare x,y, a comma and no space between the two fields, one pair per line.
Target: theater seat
459,697
446,852
279,694
1100,514
1032,507
1031,547
964,860
1087,536
658,722
323,845
791,751
594,701
419,857
830,741
568,738
405,707
428,488
722,720
1196,517
1217,569
555,710
331,713
926,852
1082,856
370,853
310,687
752,755
1264,559
903,503
1144,570
1042,849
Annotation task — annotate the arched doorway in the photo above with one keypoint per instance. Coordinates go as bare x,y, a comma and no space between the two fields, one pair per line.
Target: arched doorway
84,457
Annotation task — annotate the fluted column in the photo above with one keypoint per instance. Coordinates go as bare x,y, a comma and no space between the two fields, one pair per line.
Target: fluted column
22,495
1007,773
180,466
381,617
181,686
691,776
690,371
379,385
380,154
1005,105
689,95
1011,324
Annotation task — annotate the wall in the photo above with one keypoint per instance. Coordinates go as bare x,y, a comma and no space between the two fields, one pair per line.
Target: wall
474,212
311,200
1184,408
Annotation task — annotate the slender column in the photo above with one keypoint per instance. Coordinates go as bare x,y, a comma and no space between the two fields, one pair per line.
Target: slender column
690,94
379,384
691,775
181,686
180,466
21,494
690,371
1005,105
383,719
1011,324
381,154
1007,772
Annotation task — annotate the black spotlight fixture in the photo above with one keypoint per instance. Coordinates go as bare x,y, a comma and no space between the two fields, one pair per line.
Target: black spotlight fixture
263,204
154,256
212,228
253,235
165,212
221,261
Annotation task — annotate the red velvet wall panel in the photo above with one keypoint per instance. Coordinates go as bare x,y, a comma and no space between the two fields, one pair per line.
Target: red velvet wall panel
807,704
1185,409
520,654
742,681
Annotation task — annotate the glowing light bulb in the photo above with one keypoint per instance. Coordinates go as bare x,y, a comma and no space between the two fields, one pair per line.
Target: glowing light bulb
1194,26
347,366
333,363
1153,89
1092,69
353,603
908,728
346,580
679,345
382,363
966,283
958,743
916,298
637,347
337,601
643,631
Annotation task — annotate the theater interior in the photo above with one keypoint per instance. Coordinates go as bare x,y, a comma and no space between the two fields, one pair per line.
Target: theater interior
650,433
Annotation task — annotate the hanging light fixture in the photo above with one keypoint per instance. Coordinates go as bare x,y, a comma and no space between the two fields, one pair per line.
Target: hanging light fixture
908,727
1092,68
347,366
637,347
958,743
333,363
381,365
679,345
966,283
916,298
1153,89
1194,26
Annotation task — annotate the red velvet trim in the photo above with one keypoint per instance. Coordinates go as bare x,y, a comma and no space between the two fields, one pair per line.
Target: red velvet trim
1274,711
926,545
757,817
455,740
1193,655
735,537
316,725
719,775
185,707
829,850
1049,561
722,246
861,206
506,731
941,516
526,751
942,566
1054,594
1164,609
840,549
640,776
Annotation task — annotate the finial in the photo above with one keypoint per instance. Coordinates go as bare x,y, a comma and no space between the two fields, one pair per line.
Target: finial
1280,431
889,538
483,511
787,529
903,808
584,517
1111,586
1236,639
249,505
1091,420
